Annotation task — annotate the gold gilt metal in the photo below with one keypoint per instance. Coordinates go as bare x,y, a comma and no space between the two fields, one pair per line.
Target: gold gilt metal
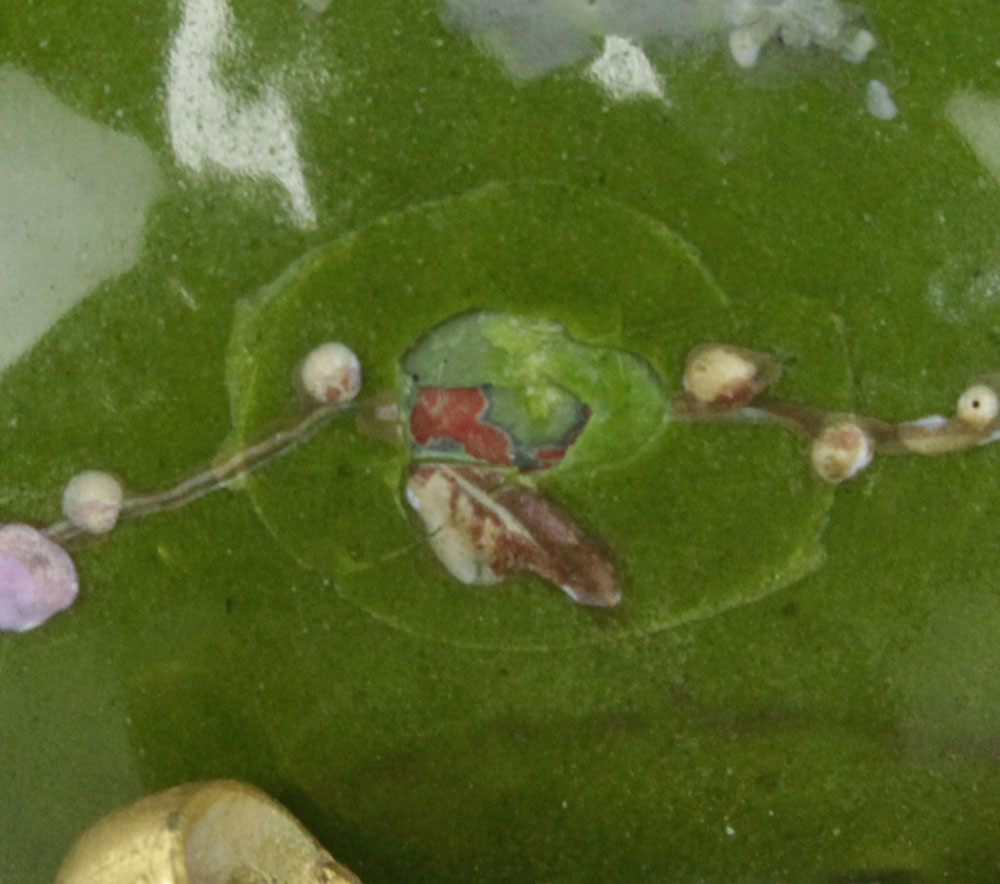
218,832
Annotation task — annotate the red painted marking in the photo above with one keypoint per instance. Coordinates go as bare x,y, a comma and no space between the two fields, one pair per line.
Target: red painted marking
458,414
547,457
455,414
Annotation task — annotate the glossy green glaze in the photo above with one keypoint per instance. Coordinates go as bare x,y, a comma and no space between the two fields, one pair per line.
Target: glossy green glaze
800,685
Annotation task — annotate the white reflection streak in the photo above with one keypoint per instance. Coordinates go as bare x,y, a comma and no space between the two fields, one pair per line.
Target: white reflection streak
209,125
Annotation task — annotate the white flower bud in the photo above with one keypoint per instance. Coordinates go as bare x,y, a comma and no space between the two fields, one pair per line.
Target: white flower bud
728,376
841,451
331,373
37,578
978,406
92,501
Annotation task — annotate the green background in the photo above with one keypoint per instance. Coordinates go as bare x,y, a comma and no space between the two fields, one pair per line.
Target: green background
843,727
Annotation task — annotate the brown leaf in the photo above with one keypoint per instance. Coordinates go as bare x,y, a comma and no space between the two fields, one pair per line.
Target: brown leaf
484,527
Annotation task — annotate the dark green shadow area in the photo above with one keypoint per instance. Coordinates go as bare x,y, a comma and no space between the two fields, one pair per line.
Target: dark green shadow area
700,518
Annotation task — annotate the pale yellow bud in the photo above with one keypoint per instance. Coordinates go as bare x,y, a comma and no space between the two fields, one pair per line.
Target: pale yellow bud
727,376
92,501
841,451
978,406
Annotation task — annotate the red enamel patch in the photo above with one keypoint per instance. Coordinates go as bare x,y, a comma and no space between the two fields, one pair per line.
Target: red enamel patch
455,414
458,414
547,457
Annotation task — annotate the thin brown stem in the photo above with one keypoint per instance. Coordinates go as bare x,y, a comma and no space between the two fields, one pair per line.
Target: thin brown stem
219,475
933,435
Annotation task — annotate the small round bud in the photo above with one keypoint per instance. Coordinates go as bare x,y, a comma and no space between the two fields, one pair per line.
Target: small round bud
841,451
727,376
37,578
331,373
92,501
978,406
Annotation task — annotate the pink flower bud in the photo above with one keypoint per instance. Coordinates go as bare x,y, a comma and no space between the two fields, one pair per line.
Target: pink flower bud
37,578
